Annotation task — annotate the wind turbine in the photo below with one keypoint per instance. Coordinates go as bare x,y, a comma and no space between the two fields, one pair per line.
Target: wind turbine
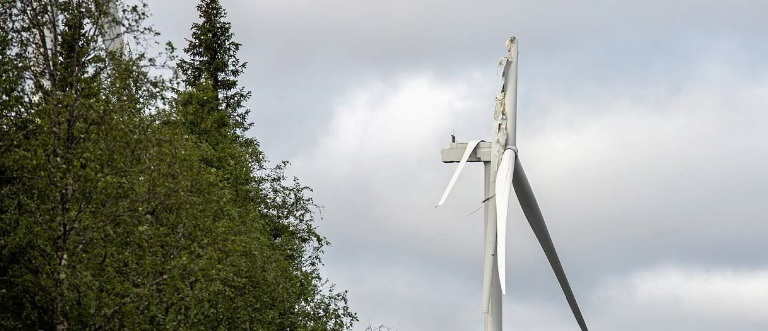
503,171
112,33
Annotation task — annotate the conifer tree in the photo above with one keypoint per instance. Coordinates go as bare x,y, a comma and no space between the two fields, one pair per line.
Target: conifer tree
212,61
213,108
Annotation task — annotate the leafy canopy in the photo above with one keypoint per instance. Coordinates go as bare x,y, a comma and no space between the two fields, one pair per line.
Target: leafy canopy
129,202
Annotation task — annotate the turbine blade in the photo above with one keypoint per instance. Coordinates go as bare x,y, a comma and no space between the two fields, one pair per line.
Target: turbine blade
467,152
536,220
503,189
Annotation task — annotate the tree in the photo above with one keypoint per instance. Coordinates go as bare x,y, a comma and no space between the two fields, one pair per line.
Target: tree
128,204
212,61
212,108
103,208
55,118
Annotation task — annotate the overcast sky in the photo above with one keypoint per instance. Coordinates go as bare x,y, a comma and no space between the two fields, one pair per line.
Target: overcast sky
642,127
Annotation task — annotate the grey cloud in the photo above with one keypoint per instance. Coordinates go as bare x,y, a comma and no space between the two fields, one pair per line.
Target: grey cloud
641,130
303,53
621,190
691,298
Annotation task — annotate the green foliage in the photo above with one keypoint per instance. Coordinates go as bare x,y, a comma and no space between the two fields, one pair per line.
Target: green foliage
212,60
128,204
211,108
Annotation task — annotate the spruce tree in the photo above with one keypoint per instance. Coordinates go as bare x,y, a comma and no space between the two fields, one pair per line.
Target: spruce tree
212,61
212,106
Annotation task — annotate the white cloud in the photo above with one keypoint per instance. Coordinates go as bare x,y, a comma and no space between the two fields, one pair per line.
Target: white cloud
677,164
390,123
400,295
675,298
383,145
642,130
624,183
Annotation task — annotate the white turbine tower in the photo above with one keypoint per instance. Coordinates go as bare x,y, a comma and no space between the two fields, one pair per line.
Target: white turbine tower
503,171
112,33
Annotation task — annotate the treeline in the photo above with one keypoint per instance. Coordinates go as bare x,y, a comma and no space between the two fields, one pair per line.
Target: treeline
130,196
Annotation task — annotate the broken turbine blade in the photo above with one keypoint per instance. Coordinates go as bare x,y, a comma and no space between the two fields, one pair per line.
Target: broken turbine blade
467,152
